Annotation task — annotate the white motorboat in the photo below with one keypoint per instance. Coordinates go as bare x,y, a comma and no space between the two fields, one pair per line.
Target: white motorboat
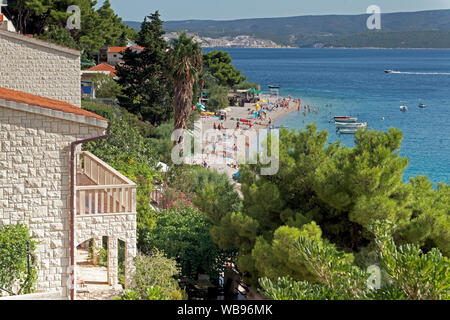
345,119
350,124
348,131
422,105
403,108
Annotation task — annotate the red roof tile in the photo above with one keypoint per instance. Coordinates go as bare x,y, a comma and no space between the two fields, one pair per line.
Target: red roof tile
120,49
104,67
33,100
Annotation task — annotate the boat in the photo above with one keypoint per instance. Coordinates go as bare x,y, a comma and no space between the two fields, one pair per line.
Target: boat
274,87
350,125
345,119
347,131
403,108
422,105
388,71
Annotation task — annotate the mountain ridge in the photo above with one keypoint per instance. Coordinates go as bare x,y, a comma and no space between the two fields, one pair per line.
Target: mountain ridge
327,30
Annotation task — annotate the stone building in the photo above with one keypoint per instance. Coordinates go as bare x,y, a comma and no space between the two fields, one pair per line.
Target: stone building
65,195
113,55
40,68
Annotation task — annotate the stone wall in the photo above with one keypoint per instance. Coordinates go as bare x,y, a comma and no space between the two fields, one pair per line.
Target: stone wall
35,186
39,68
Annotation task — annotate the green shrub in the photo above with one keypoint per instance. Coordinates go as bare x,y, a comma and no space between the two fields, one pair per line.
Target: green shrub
106,86
106,111
154,279
16,250
184,234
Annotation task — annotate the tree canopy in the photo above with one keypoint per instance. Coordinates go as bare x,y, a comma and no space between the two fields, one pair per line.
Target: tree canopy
330,192
183,234
186,63
47,19
406,272
144,76
219,65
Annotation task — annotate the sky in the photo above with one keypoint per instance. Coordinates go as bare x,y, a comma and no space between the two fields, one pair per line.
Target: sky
136,10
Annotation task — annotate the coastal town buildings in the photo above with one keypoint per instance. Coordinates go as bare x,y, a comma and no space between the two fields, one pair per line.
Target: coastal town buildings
5,24
113,55
65,196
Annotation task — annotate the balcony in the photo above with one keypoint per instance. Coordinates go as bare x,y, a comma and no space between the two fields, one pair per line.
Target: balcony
102,190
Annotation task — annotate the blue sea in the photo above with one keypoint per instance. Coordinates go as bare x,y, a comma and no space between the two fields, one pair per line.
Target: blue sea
354,82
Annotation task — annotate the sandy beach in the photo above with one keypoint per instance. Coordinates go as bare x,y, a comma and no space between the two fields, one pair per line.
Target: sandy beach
243,113
221,149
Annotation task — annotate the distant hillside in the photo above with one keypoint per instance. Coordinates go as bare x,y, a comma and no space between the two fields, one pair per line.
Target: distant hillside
330,30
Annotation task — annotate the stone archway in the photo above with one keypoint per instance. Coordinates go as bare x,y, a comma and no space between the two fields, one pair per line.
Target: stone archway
115,228
98,276
91,265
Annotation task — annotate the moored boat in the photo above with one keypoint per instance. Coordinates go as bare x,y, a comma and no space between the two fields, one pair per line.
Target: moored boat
347,131
350,125
345,119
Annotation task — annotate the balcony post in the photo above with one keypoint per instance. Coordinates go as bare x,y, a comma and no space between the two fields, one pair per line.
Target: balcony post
113,261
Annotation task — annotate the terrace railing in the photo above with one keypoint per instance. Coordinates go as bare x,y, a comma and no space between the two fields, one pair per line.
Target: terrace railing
100,189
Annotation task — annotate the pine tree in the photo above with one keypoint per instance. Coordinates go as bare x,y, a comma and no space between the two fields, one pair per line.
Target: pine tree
338,189
144,75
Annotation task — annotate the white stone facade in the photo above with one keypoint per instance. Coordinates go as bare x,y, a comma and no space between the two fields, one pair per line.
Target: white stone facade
36,136
35,186
33,66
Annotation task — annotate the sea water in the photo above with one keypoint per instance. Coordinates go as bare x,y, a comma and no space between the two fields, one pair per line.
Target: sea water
354,83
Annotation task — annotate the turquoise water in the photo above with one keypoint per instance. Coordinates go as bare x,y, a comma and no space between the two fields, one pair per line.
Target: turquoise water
354,82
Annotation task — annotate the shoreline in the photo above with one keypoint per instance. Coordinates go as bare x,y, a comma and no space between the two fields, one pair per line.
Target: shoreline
219,153
328,48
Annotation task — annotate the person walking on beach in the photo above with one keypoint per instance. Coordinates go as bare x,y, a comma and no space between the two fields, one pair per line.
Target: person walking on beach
214,126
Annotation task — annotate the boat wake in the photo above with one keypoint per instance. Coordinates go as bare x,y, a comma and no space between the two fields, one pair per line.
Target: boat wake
423,73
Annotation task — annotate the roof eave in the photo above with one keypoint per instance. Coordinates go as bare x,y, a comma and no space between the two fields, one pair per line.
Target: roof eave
40,43
90,121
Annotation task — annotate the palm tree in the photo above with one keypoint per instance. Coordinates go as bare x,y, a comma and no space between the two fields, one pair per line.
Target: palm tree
186,61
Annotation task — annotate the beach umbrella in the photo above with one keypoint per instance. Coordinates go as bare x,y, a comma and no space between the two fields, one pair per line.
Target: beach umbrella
201,106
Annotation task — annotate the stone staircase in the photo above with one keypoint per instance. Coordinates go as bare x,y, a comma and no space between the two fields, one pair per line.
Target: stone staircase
98,292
